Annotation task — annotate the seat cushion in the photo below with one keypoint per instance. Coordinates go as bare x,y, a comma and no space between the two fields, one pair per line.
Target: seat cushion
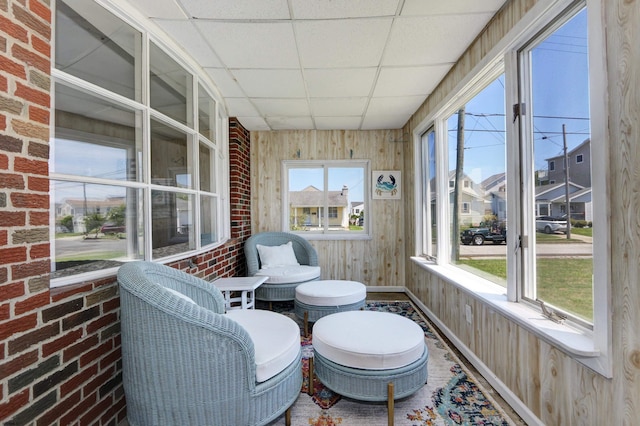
276,339
290,274
276,256
368,340
331,292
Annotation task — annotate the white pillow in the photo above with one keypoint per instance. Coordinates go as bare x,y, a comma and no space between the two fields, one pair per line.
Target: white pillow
274,256
180,295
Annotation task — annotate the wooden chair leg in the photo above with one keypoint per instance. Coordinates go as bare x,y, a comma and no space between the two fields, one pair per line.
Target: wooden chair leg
287,417
390,403
311,378
306,324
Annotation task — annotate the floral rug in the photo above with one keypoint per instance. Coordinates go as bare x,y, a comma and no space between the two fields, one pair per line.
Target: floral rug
451,396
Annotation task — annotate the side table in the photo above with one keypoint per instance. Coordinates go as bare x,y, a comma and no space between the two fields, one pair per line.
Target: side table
245,285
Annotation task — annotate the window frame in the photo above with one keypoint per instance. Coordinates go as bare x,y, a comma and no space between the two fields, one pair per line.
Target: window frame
326,165
219,185
591,347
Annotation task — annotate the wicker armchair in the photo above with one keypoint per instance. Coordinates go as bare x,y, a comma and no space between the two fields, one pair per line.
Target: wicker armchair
185,362
282,282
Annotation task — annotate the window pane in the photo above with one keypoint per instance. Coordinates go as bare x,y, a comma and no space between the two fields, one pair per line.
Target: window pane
208,220
172,223
430,207
306,197
346,188
170,156
206,114
96,226
561,131
207,168
477,189
95,46
95,137
171,86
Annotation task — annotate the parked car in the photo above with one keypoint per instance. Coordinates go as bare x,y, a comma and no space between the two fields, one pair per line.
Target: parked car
112,229
550,224
477,236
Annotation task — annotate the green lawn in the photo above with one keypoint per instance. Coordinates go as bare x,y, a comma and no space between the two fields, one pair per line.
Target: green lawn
563,282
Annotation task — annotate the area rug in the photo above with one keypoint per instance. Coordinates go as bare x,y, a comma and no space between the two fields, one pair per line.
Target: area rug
451,396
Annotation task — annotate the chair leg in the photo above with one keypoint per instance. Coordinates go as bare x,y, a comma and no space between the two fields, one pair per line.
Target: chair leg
390,403
287,417
306,324
311,378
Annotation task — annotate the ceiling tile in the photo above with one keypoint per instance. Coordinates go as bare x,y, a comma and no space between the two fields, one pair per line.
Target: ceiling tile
345,43
428,40
166,9
339,122
439,7
225,82
252,45
324,9
241,107
270,83
327,83
234,9
323,107
290,123
409,81
387,121
402,105
281,107
254,123
185,34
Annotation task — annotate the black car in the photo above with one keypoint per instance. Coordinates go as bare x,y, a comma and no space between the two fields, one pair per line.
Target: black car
477,236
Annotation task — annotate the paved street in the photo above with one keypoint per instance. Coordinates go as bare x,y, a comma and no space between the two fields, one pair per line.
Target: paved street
581,249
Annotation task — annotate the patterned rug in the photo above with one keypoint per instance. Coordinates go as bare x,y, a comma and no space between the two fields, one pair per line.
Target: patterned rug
451,396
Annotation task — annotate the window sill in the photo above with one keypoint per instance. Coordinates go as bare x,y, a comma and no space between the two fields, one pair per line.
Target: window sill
575,342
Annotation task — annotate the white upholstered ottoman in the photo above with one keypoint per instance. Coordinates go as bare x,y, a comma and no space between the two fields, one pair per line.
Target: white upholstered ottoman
370,355
316,299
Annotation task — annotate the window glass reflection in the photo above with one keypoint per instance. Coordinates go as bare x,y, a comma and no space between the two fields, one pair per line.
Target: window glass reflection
208,220
172,223
170,86
170,156
206,114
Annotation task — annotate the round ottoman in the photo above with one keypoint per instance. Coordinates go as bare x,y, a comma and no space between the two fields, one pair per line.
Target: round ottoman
316,299
370,355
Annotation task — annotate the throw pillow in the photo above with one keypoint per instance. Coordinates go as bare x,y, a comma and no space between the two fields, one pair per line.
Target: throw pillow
274,256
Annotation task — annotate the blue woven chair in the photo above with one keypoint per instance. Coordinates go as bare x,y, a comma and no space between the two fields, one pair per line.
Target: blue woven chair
185,363
283,286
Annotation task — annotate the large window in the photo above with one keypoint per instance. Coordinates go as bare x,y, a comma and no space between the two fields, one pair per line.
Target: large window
320,198
519,157
131,178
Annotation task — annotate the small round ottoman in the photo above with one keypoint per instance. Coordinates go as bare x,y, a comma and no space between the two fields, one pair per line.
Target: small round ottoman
370,355
316,299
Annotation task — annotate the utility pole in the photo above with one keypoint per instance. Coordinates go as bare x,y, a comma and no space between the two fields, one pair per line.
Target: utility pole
566,181
455,240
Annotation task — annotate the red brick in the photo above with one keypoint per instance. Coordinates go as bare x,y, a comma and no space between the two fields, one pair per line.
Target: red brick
71,418
59,293
38,218
32,95
39,251
29,201
4,238
20,363
40,9
11,181
4,315
4,274
39,114
12,218
14,30
90,417
101,322
61,343
111,358
12,67
26,165
31,21
74,382
11,291
79,348
91,356
4,84
14,404
32,303
38,184
13,255
51,416
4,162
18,325
98,381
31,269
3,126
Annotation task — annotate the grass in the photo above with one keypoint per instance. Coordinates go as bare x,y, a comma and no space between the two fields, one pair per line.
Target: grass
107,255
587,232
555,239
562,282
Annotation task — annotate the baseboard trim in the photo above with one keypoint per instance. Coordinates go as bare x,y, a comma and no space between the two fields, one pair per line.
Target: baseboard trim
516,403
386,289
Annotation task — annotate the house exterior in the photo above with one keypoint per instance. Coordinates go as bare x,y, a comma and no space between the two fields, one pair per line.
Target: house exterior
473,201
579,166
306,209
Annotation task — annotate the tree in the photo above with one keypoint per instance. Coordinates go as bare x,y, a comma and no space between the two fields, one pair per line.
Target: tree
67,222
92,223
118,215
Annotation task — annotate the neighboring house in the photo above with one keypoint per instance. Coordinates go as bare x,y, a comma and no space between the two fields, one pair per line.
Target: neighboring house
579,166
357,207
473,202
305,207
495,188
79,208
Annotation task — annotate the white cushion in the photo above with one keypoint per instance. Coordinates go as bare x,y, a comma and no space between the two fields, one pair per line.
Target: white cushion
290,274
368,340
276,339
274,256
331,292
180,295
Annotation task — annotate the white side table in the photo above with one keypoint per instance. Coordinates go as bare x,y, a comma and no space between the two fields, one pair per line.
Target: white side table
245,285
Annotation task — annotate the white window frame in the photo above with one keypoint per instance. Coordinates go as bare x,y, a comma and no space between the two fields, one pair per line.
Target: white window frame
591,347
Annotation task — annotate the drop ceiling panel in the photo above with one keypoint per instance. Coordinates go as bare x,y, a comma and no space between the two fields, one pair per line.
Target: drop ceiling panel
347,43
339,122
225,83
325,107
386,121
340,83
251,44
324,9
439,7
167,9
401,105
270,83
234,9
186,34
282,107
287,123
409,81
253,123
241,107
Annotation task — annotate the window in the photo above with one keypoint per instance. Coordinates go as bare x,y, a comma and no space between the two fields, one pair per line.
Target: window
318,197
551,219
129,179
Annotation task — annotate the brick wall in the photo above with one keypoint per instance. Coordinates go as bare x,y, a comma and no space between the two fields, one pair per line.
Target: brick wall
60,357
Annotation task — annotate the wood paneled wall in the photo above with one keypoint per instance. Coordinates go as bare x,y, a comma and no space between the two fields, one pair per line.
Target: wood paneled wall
553,386
375,262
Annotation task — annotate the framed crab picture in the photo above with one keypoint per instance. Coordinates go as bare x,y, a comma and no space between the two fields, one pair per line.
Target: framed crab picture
386,184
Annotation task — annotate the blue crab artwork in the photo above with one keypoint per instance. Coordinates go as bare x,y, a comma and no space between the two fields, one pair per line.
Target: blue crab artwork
386,186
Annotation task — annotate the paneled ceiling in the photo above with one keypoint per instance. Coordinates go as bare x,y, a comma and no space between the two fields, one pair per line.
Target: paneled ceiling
323,64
